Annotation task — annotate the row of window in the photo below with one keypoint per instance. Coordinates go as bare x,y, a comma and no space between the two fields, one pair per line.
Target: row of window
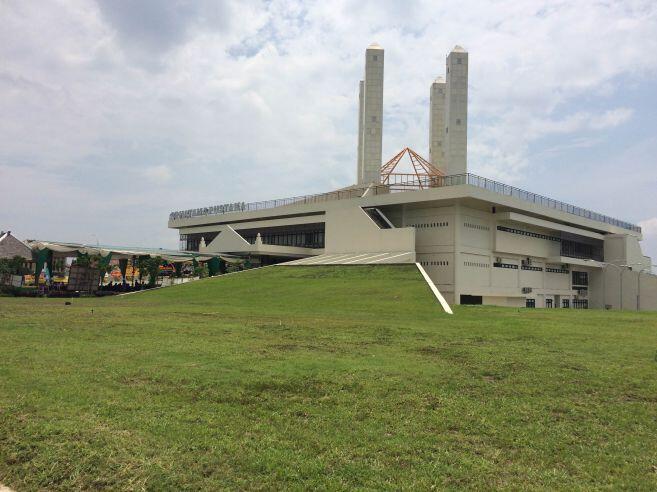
580,303
435,263
510,266
476,226
430,224
557,270
571,249
192,242
574,249
565,303
581,278
476,264
528,233
302,239
469,225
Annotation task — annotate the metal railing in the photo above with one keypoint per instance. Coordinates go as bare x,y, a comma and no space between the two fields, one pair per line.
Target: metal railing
396,186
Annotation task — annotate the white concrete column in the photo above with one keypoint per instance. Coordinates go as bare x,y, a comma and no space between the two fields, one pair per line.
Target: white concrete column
359,157
437,123
458,267
456,112
372,123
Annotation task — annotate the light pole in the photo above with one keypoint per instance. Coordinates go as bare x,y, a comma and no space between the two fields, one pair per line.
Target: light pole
638,285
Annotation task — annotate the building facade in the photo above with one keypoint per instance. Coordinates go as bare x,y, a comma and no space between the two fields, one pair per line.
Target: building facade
480,241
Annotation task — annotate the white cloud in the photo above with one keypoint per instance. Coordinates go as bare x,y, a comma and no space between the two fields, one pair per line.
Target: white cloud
579,121
158,174
611,118
253,100
649,227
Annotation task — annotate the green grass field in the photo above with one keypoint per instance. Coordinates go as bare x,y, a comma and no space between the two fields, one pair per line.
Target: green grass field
322,377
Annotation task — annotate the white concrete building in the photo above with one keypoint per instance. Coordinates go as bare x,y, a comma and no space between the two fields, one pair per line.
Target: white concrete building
481,241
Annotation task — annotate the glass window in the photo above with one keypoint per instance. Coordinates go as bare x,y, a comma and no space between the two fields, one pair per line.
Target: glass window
580,278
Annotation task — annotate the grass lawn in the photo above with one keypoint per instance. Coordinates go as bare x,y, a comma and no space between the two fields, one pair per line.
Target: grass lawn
322,377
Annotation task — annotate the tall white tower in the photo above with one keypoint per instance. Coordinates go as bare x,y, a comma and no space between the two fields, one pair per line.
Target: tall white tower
456,112
437,124
359,166
371,124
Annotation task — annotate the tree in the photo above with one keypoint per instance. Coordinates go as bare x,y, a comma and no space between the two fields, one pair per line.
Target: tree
11,266
151,266
5,270
201,270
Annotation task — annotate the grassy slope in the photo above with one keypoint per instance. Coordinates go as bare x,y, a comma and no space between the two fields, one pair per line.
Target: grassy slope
322,377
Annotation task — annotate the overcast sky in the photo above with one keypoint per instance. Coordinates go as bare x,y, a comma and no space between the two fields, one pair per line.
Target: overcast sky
115,112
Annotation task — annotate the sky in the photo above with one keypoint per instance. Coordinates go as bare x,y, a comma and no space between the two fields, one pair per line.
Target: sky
114,113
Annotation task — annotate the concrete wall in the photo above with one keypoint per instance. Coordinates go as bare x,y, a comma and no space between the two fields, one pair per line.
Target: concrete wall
228,241
287,221
475,270
503,301
627,289
475,230
535,279
470,239
440,267
507,277
647,292
508,242
350,230
555,280
434,241
621,249
478,246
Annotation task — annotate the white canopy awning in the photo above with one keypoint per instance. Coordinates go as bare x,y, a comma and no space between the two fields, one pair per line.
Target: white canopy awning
119,252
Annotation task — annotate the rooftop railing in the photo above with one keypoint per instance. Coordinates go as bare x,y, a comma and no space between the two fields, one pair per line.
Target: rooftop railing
398,185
